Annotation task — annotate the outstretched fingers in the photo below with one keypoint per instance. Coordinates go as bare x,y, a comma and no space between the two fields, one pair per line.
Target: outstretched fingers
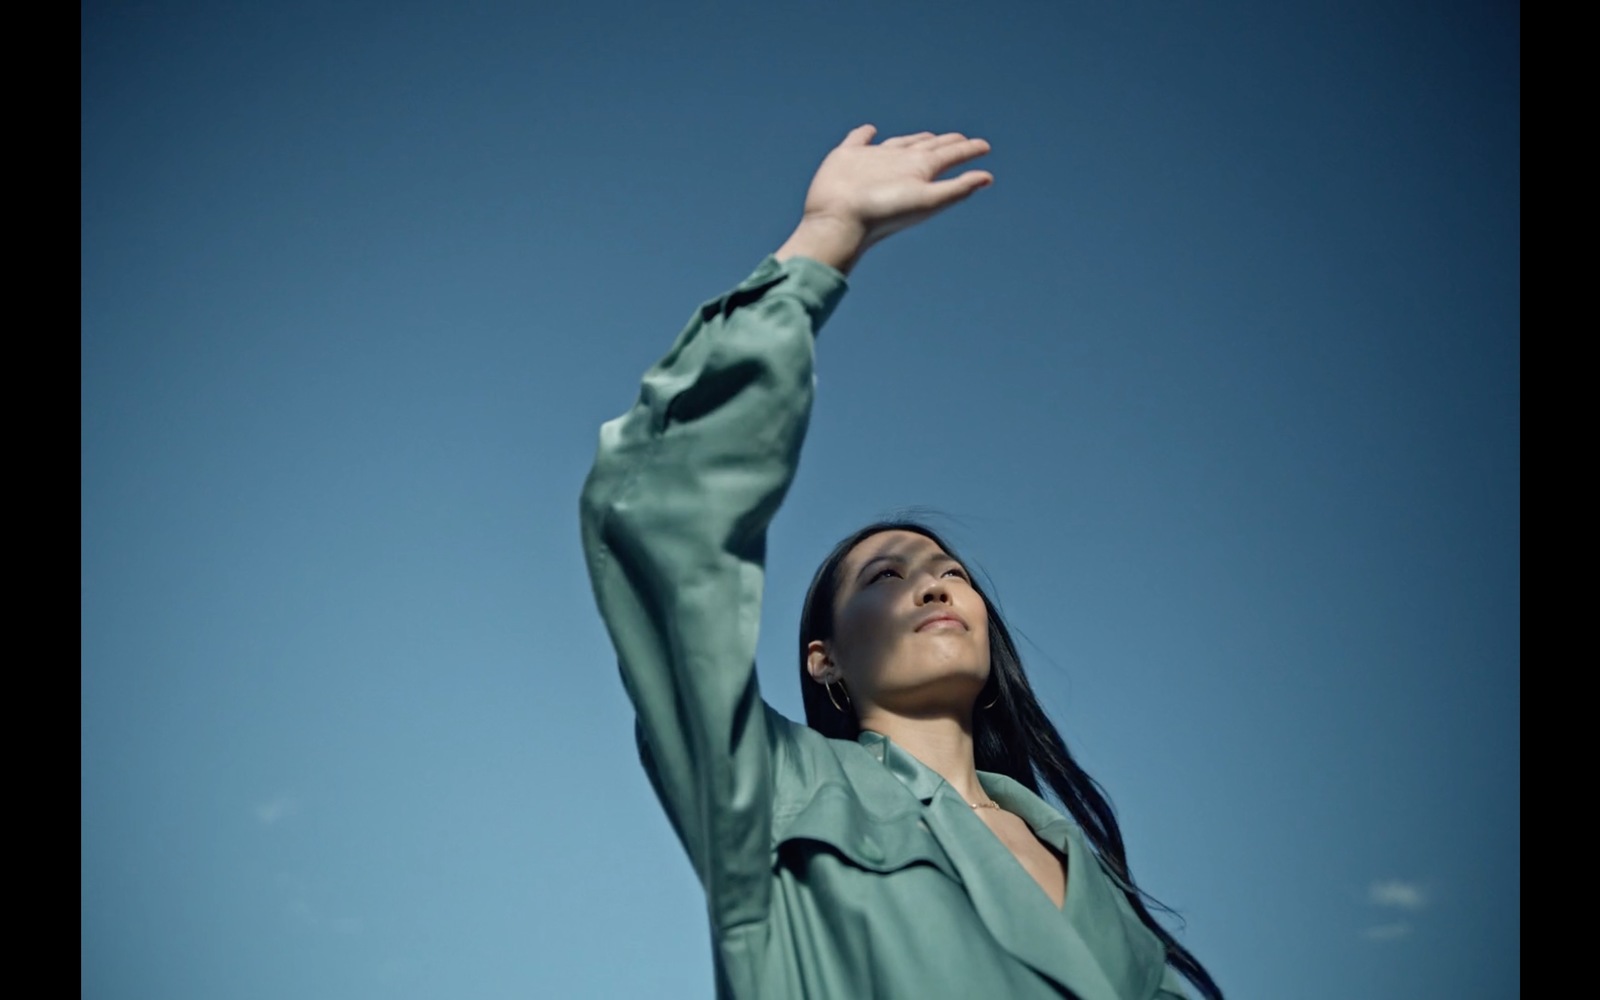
899,141
956,152
931,141
948,192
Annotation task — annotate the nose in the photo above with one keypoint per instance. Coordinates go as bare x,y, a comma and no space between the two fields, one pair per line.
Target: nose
935,590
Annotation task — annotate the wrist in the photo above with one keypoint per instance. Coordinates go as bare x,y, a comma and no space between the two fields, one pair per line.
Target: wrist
835,242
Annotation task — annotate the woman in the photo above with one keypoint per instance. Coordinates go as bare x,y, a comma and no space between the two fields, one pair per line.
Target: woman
896,846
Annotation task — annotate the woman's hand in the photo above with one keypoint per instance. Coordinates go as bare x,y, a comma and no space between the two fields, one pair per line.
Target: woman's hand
862,193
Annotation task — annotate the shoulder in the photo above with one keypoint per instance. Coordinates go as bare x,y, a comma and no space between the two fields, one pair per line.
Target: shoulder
832,780
804,760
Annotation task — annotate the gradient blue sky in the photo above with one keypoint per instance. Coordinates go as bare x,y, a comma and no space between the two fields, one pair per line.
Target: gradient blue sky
1219,383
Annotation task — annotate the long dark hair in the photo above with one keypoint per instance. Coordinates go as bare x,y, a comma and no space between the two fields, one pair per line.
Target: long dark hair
1014,737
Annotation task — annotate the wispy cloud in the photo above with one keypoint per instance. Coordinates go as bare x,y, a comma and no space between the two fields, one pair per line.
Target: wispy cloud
1397,895
278,808
1387,932
1393,894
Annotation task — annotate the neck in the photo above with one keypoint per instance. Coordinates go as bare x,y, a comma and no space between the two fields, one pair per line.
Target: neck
943,744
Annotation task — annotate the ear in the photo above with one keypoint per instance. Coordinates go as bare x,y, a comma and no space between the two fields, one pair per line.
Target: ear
818,663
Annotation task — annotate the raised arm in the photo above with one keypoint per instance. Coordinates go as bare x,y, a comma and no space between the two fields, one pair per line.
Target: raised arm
676,508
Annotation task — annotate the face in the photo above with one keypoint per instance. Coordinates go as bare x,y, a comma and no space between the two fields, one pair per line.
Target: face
911,634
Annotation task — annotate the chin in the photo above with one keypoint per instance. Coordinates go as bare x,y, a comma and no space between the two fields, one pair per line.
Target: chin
950,685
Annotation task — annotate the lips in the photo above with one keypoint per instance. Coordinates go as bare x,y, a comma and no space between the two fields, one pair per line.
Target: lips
941,616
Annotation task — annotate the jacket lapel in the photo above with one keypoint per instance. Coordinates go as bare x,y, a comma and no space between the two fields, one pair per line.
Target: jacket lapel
1128,959
1088,946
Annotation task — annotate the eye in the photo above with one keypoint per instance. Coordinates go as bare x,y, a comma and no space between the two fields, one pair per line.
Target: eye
883,573
960,573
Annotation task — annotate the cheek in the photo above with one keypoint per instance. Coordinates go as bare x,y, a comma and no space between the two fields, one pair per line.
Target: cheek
861,628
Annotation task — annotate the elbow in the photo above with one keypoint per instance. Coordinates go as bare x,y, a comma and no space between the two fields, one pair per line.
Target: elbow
602,486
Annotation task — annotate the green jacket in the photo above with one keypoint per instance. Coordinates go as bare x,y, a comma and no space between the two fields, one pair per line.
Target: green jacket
832,869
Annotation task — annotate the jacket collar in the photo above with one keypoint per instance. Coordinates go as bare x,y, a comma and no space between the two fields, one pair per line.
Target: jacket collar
1095,946
918,778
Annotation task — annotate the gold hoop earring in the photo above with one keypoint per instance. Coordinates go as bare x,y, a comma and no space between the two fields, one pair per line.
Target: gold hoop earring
829,686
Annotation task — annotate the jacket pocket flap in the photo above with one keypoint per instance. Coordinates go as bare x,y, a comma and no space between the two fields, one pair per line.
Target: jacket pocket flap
835,819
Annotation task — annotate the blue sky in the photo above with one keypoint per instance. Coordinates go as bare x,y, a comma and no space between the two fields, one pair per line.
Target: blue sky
1219,383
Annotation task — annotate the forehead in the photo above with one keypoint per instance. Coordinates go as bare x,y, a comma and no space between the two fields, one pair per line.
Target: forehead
906,546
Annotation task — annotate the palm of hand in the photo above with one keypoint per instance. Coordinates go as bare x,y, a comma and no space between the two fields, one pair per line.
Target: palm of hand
882,189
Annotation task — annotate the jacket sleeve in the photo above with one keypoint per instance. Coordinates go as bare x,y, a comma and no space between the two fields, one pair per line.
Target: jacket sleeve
674,516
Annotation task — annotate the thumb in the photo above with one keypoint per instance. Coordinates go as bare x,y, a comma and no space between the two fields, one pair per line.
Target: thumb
861,135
